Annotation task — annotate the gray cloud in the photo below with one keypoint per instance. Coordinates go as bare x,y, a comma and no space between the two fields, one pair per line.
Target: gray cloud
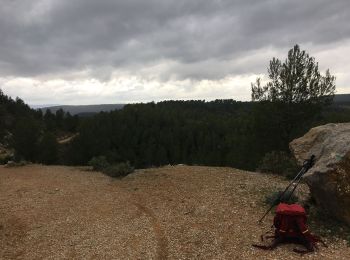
89,51
57,37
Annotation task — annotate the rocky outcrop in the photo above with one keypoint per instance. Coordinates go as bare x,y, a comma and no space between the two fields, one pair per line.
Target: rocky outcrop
329,178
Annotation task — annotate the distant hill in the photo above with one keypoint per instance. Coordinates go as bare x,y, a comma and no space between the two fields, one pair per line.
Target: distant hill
88,110
85,110
42,106
342,100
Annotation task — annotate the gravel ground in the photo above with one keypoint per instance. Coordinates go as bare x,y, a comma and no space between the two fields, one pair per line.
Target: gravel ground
173,212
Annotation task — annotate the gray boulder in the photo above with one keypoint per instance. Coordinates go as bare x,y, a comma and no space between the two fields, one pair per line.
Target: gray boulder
329,178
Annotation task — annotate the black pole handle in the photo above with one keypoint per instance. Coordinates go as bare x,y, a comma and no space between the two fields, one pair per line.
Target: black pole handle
308,163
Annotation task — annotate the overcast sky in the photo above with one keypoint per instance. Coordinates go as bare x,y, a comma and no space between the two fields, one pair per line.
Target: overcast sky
114,51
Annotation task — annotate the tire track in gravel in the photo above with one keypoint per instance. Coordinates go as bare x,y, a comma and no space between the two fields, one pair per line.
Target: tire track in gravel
12,235
161,240
162,243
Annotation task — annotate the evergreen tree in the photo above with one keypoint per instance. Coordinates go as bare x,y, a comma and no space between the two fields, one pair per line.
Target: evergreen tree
48,149
292,100
296,80
50,120
26,139
59,118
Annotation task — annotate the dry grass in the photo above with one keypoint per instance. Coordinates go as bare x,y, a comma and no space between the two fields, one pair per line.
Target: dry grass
166,213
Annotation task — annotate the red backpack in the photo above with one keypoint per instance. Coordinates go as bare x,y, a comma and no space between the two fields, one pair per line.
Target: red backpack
290,226
290,220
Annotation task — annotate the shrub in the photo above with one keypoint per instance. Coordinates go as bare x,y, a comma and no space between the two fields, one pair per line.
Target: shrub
325,224
279,162
21,163
273,198
5,158
119,170
99,163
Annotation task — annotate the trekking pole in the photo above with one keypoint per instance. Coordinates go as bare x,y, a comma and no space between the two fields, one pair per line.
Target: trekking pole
282,194
306,166
309,163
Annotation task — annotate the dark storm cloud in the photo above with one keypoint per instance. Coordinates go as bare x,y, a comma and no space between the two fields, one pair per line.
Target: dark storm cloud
56,37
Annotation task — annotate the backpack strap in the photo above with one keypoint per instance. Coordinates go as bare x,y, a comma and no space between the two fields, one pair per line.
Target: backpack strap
264,236
275,243
315,239
301,223
309,241
263,247
283,228
302,252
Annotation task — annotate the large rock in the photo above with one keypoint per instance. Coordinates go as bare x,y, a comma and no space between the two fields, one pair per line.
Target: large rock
329,178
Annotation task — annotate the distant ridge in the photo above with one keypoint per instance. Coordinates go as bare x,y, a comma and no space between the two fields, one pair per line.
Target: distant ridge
84,109
42,106
87,110
342,98
342,101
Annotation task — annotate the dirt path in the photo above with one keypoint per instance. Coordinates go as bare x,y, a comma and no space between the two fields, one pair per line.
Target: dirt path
162,251
67,139
167,213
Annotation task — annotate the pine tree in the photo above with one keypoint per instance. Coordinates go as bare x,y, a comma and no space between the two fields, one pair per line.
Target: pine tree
48,149
294,97
296,80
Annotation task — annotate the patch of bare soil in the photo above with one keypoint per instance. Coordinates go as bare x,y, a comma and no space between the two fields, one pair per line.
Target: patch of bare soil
67,138
166,213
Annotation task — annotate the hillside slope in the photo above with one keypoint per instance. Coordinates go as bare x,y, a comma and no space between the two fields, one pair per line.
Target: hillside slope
84,109
342,100
166,213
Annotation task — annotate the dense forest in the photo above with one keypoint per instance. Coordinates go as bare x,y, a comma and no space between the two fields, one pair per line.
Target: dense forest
244,135
220,132
216,133
28,134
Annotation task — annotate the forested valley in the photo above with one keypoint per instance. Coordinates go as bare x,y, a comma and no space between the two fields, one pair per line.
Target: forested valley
195,132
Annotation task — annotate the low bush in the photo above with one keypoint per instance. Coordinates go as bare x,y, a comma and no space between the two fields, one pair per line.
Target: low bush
279,162
272,199
5,158
99,163
118,170
324,224
21,163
